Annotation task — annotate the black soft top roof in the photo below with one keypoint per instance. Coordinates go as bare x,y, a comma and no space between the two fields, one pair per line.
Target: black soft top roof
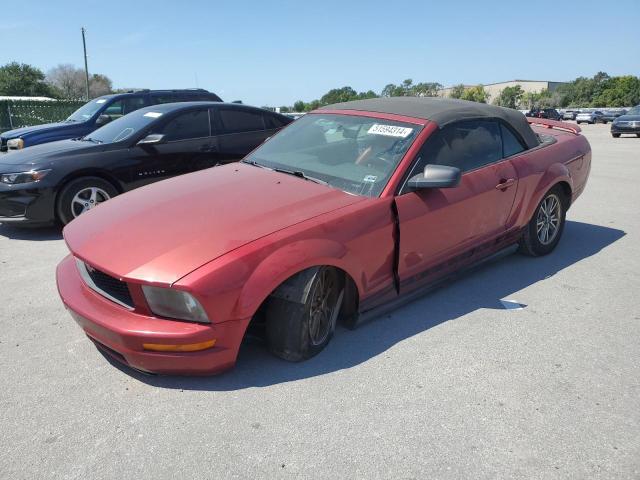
442,111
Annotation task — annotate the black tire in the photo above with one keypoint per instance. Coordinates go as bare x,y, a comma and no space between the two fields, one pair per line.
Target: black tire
638,135
615,135
532,242
290,329
67,209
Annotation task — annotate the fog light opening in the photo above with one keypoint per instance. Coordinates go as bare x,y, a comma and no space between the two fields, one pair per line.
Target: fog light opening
191,347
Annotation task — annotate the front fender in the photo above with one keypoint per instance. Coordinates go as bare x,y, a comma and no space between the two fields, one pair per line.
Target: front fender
285,262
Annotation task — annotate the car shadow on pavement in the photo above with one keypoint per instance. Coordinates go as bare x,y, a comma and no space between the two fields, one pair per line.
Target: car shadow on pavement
30,233
481,288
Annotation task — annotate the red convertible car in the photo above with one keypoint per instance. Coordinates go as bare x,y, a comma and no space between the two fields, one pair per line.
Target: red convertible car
349,211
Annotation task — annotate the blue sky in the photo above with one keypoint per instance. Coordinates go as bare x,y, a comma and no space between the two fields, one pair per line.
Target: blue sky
276,52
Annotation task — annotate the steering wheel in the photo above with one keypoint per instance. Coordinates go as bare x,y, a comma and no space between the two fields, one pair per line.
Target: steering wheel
382,160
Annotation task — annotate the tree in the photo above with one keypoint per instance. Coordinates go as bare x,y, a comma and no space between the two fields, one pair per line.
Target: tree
298,106
426,89
619,92
510,97
72,84
457,91
338,95
20,79
284,109
99,85
475,94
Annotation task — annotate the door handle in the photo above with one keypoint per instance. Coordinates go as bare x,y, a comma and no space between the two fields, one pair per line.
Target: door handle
505,183
205,148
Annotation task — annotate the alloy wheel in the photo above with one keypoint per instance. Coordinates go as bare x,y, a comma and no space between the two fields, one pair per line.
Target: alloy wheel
548,219
323,305
86,199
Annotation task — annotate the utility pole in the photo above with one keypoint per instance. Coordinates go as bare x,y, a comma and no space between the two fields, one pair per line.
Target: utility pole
86,68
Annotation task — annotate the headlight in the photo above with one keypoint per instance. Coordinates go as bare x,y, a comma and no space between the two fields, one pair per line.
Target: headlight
168,302
15,143
23,177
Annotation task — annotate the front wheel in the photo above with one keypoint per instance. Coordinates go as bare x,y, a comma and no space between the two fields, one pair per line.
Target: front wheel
544,230
81,195
298,331
615,135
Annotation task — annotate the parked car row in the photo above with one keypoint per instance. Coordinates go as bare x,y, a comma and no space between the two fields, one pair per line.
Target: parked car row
351,209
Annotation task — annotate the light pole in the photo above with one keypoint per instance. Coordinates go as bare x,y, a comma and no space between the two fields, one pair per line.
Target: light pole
86,68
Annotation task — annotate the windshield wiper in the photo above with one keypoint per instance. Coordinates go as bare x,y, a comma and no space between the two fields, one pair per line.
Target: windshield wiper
255,164
89,139
300,174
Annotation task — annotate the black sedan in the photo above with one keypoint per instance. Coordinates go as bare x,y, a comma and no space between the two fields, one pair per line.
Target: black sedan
60,180
627,123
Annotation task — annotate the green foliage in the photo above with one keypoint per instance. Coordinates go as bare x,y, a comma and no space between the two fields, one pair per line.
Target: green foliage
457,91
475,94
408,89
619,92
510,97
298,106
20,79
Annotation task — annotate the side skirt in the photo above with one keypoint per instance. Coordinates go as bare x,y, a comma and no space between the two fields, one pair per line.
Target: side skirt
368,315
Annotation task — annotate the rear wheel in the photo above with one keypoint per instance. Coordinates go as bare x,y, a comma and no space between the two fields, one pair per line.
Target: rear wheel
615,135
638,135
543,232
297,331
81,195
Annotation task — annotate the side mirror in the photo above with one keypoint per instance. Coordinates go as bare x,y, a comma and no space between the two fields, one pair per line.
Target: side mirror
152,139
102,120
435,176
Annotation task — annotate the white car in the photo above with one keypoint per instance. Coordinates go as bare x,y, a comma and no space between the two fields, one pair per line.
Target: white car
589,117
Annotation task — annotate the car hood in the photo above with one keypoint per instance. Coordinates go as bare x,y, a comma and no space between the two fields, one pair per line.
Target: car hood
21,132
44,154
629,118
162,232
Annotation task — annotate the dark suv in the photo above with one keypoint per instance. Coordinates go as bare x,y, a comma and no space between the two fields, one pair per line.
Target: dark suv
96,113
550,113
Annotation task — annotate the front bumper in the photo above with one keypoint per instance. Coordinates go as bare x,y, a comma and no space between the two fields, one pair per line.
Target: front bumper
121,333
627,127
26,205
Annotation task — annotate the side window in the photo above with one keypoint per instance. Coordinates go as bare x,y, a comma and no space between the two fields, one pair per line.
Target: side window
164,98
272,121
126,105
193,124
466,145
234,121
510,143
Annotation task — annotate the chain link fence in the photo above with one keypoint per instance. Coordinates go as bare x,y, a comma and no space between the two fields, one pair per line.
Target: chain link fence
24,113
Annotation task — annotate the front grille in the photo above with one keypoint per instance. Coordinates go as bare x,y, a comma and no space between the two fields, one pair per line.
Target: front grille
106,285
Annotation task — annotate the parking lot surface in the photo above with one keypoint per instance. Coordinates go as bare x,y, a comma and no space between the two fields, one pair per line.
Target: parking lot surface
453,385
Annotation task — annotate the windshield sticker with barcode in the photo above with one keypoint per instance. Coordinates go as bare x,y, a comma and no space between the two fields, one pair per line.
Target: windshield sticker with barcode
390,130
102,100
153,114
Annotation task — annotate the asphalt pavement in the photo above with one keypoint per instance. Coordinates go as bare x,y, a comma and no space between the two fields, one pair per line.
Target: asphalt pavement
453,385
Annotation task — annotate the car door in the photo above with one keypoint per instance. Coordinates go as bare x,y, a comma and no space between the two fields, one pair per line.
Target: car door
440,226
186,147
241,130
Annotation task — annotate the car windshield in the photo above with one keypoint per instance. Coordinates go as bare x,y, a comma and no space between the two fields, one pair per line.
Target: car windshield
87,111
634,111
123,127
353,153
